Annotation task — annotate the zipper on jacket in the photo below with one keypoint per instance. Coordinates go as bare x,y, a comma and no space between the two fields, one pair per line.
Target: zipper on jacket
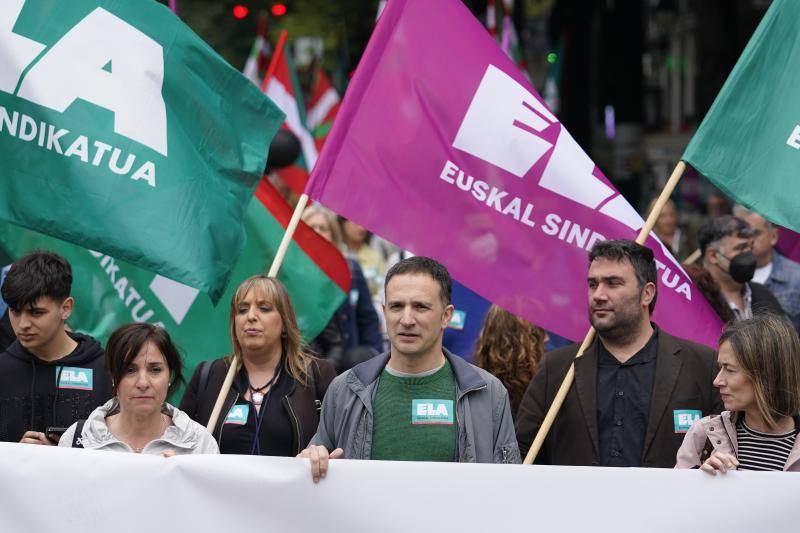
296,423
459,399
364,432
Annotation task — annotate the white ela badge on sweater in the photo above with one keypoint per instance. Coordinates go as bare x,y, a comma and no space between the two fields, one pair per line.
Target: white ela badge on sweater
431,412
70,377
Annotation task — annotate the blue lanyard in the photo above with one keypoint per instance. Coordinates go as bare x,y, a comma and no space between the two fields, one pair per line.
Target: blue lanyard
256,449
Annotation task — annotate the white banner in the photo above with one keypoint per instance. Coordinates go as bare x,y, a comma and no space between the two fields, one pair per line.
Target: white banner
80,491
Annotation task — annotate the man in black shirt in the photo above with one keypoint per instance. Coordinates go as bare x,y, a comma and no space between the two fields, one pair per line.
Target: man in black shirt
637,388
49,377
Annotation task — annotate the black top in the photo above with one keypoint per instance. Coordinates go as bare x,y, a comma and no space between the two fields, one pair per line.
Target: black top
623,404
275,433
6,333
36,394
291,404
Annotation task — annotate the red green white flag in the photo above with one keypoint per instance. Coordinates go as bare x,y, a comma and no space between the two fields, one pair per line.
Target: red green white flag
258,60
322,107
283,89
109,292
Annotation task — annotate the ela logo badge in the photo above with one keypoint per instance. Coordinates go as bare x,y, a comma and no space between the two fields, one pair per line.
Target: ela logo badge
238,415
684,418
74,378
431,412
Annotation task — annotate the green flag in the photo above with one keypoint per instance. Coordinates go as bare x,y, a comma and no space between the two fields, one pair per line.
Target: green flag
122,131
749,142
109,292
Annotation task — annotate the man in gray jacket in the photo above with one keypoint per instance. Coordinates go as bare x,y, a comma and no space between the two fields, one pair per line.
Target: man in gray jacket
418,402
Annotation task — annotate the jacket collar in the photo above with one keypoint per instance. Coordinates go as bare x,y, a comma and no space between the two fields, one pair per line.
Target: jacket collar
666,376
668,367
179,433
730,430
586,387
778,273
467,378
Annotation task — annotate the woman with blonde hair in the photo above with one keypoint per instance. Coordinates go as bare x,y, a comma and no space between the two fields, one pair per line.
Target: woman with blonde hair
510,347
273,405
759,381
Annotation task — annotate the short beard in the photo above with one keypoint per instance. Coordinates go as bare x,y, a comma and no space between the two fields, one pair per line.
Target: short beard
620,331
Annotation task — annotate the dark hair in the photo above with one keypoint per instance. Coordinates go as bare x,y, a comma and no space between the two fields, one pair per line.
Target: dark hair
424,265
341,220
38,274
127,341
718,228
640,258
710,289
768,351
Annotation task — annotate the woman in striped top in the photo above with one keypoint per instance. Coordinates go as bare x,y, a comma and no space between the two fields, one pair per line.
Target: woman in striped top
759,381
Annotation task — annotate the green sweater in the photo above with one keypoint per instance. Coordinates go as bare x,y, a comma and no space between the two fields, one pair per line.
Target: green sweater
414,418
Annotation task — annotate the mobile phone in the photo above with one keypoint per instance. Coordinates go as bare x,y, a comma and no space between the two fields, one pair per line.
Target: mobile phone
53,434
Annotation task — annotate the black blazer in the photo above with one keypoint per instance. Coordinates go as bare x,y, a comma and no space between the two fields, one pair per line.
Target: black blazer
683,380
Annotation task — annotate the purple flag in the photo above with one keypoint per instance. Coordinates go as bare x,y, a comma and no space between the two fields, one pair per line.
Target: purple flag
789,243
444,148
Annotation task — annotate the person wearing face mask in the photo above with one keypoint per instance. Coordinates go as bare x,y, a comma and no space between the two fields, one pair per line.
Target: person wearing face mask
726,245
777,272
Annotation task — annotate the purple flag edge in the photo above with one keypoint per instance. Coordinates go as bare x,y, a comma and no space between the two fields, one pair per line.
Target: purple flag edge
360,85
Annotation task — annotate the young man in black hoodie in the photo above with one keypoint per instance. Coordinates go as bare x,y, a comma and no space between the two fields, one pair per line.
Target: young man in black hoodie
49,377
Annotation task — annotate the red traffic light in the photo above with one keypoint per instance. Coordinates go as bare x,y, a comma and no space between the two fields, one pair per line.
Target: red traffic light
278,10
240,11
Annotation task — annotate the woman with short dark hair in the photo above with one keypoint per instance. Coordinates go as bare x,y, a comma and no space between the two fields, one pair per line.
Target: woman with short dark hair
145,366
759,381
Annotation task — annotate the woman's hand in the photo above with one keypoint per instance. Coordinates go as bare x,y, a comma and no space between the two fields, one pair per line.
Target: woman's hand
168,453
719,462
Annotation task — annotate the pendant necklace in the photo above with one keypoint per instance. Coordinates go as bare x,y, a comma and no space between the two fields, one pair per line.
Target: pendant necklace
257,393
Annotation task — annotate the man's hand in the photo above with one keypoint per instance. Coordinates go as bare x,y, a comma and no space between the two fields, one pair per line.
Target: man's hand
719,462
35,437
318,455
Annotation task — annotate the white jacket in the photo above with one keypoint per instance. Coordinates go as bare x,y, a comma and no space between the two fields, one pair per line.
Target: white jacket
183,436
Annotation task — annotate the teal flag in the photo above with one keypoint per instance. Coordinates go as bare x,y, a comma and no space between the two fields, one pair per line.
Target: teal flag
110,292
749,142
123,132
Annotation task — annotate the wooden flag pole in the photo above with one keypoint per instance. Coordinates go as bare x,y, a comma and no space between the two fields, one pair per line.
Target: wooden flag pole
273,272
276,263
558,401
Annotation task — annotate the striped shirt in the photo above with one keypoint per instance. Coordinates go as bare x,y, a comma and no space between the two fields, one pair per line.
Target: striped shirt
763,451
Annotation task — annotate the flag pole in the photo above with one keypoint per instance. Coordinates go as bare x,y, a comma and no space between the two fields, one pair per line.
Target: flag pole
561,395
276,263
